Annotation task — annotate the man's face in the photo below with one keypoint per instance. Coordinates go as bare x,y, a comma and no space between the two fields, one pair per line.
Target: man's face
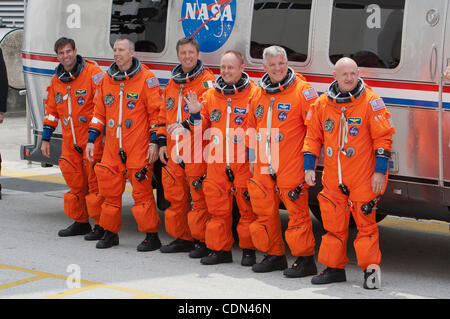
276,67
346,74
231,68
123,55
67,56
188,56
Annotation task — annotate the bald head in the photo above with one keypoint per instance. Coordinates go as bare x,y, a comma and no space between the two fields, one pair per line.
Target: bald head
346,73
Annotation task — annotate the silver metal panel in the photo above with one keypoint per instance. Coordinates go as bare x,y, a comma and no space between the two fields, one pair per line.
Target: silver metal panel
87,22
416,141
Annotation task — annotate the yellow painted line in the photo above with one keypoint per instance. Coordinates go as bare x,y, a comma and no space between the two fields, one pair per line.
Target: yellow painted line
430,226
89,285
23,281
34,176
42,178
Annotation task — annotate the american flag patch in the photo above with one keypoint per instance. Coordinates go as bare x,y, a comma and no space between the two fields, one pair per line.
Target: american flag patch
377,104
98,77
310,94
152,82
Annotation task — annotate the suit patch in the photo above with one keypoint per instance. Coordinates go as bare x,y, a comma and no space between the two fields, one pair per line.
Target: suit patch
208,84
80,92
328,125
152,82
310,94
98,77
131,105
353,131
282,116
239,120
215,115
170,103
128,123
283,107
109,99
81,100
239,110
259,110
58,98
354,121
377,104
132,96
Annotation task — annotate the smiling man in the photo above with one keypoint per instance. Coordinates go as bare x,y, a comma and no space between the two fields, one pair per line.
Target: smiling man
183,221
126,107
223,111
279,114
351,122
70,98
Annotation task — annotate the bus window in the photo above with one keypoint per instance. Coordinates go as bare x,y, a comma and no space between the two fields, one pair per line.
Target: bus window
283,23
368,31
143,22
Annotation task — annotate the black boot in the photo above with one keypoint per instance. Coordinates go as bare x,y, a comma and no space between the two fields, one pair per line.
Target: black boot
150,243
200,250
248,257
75,229
271,263
96,234
178,246
328,276
109,239
302,267
217,257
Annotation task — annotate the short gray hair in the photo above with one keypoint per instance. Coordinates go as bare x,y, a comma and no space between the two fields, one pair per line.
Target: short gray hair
274,50
130,43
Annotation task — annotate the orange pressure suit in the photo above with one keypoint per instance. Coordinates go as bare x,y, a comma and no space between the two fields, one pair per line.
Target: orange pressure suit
180,220
224,112
353,130
70,98
283,108
127,105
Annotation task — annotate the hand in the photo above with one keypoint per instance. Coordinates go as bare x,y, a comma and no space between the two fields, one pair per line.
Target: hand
152,154
193,103
45,148
163,154
310,177
175,129
377,182
2,116
90,151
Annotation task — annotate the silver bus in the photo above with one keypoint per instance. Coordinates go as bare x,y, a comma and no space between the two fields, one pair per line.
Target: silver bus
401,46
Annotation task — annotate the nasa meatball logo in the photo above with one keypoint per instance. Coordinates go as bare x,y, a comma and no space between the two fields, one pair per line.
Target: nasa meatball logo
210,22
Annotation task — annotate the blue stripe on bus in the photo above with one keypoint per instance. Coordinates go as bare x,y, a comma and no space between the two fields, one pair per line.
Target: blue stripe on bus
38,70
